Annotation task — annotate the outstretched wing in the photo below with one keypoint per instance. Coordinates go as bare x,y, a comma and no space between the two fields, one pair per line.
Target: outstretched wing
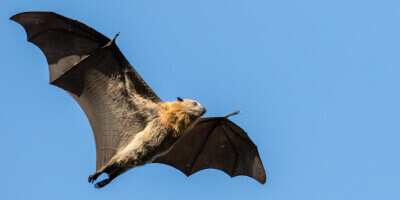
216,143
84,62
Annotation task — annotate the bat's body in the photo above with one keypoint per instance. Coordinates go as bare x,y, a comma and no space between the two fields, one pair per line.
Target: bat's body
132,126
166,122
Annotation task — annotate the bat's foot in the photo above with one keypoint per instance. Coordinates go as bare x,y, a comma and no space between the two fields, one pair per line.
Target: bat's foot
93,177
102,183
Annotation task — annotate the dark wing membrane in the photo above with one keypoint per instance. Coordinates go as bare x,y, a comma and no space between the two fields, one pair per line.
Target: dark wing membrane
63,41
86,79
216,143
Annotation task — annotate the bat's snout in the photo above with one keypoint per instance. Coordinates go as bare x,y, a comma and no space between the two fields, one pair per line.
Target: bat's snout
204,111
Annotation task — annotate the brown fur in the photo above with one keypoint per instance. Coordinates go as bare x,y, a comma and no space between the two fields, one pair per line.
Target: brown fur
174,116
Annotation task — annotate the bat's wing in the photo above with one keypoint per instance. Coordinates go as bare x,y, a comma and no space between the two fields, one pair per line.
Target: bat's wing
216,143
83,62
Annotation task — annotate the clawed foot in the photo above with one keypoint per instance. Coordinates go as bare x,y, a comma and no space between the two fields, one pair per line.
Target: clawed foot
93,177
102,183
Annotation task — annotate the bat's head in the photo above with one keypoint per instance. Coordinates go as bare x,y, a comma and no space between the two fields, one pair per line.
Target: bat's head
192,107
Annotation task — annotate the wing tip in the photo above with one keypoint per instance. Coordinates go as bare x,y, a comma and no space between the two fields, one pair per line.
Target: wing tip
15,16
262,179
18,15
257,174
259,170
19,18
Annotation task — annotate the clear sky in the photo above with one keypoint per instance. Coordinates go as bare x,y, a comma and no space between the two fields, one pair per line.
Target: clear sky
318,83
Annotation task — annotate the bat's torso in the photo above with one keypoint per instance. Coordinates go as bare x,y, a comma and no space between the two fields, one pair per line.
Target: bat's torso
148,129
165,123
153,141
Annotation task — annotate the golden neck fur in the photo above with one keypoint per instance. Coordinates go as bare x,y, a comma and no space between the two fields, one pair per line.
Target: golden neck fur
174,116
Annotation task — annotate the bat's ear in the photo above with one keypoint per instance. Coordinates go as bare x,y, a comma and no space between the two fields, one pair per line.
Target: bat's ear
179,99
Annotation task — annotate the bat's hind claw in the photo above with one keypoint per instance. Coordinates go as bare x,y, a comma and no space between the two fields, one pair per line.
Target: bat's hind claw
93,177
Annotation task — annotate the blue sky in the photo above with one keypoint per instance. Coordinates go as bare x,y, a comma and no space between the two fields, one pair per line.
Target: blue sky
318,83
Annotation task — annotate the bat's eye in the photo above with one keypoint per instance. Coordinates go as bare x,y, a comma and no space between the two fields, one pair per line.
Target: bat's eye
195,103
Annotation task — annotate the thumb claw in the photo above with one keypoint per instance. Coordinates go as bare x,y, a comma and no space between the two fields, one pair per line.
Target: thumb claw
234,113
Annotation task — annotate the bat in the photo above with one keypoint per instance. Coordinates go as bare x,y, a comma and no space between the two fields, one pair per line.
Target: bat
131,125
